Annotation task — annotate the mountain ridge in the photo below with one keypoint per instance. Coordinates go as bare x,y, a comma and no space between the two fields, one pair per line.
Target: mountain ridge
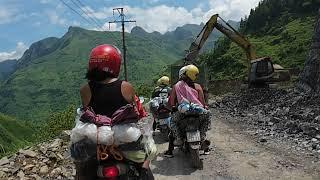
50,72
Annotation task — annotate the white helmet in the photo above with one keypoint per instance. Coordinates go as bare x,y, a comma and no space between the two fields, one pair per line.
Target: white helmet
182,71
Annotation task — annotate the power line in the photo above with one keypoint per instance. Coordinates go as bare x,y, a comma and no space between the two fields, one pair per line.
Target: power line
86,14
115,39
91,13
123,21
90,22
75,11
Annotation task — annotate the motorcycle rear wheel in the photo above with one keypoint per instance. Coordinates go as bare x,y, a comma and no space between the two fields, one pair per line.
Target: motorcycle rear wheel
165,133
195,158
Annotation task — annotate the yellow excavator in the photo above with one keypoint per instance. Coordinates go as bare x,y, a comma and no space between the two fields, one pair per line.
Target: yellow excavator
261,71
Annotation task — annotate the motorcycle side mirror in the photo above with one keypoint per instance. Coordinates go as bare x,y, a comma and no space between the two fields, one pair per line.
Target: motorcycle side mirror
141,99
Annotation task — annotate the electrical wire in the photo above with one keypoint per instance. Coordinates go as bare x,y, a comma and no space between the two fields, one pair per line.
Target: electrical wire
87,14
94,17
75,11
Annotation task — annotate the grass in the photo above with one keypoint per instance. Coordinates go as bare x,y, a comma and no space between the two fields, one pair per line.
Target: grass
13,134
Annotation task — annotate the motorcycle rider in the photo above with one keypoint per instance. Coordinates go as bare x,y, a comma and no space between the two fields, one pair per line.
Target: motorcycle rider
163,84
105,94
187,90
163,89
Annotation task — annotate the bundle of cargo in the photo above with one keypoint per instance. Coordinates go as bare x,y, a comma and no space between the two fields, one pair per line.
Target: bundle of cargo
157,104
123,133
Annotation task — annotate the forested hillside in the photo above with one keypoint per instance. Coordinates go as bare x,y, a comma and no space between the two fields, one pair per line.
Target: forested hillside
13,134
6,68
279,29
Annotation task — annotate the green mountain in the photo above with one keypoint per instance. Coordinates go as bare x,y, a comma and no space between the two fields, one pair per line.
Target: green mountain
13,134
50,72
279,29
7,67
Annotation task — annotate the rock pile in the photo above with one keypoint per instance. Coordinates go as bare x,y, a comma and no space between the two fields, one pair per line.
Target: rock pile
272,112
48,160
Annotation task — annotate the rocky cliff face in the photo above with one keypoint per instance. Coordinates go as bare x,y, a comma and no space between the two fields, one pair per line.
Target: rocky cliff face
309,81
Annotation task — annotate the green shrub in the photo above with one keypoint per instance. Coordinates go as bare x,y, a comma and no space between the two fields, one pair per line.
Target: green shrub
56,123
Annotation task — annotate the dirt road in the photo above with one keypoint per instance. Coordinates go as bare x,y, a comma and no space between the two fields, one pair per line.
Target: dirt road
236,155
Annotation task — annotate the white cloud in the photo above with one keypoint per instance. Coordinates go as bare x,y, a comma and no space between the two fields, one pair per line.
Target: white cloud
10,14
162,18
7,15
165,18
159,18
15,54
232,9
54,18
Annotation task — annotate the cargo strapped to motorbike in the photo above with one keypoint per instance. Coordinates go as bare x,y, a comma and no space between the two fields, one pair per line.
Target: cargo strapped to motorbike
103,151
117,140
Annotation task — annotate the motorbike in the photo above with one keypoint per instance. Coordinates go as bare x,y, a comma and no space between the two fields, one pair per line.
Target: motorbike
119,170
162,120
115,167
162,114
191,145
112,165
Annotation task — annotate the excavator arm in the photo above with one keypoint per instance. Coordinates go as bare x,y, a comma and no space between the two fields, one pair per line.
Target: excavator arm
202,37
234,35
260,70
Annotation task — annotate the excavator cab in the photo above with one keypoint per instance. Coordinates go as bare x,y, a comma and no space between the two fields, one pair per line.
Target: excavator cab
261,71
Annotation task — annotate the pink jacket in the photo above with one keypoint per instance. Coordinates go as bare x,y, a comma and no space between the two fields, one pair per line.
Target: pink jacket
186,93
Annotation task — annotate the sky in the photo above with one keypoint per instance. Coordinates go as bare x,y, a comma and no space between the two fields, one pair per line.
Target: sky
23,22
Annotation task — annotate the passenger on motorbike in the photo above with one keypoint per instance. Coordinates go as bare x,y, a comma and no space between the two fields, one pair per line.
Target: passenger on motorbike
160,97
105,94
163,86
186,90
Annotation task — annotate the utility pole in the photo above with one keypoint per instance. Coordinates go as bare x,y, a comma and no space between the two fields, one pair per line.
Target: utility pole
122,21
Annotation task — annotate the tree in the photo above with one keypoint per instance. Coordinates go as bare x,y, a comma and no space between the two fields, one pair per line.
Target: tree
309,80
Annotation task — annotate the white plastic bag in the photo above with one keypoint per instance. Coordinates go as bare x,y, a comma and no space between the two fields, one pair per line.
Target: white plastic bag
76,134
90,130
145,126
149,147
154,103
126,133
105,135
82,130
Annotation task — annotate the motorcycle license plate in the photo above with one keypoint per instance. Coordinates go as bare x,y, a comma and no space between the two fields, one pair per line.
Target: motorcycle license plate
193,136
162,122
165,121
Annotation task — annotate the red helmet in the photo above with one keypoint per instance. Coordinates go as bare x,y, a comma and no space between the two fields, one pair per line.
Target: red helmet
107,58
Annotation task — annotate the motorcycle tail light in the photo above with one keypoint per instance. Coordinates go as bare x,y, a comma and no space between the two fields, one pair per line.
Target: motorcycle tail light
110,172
